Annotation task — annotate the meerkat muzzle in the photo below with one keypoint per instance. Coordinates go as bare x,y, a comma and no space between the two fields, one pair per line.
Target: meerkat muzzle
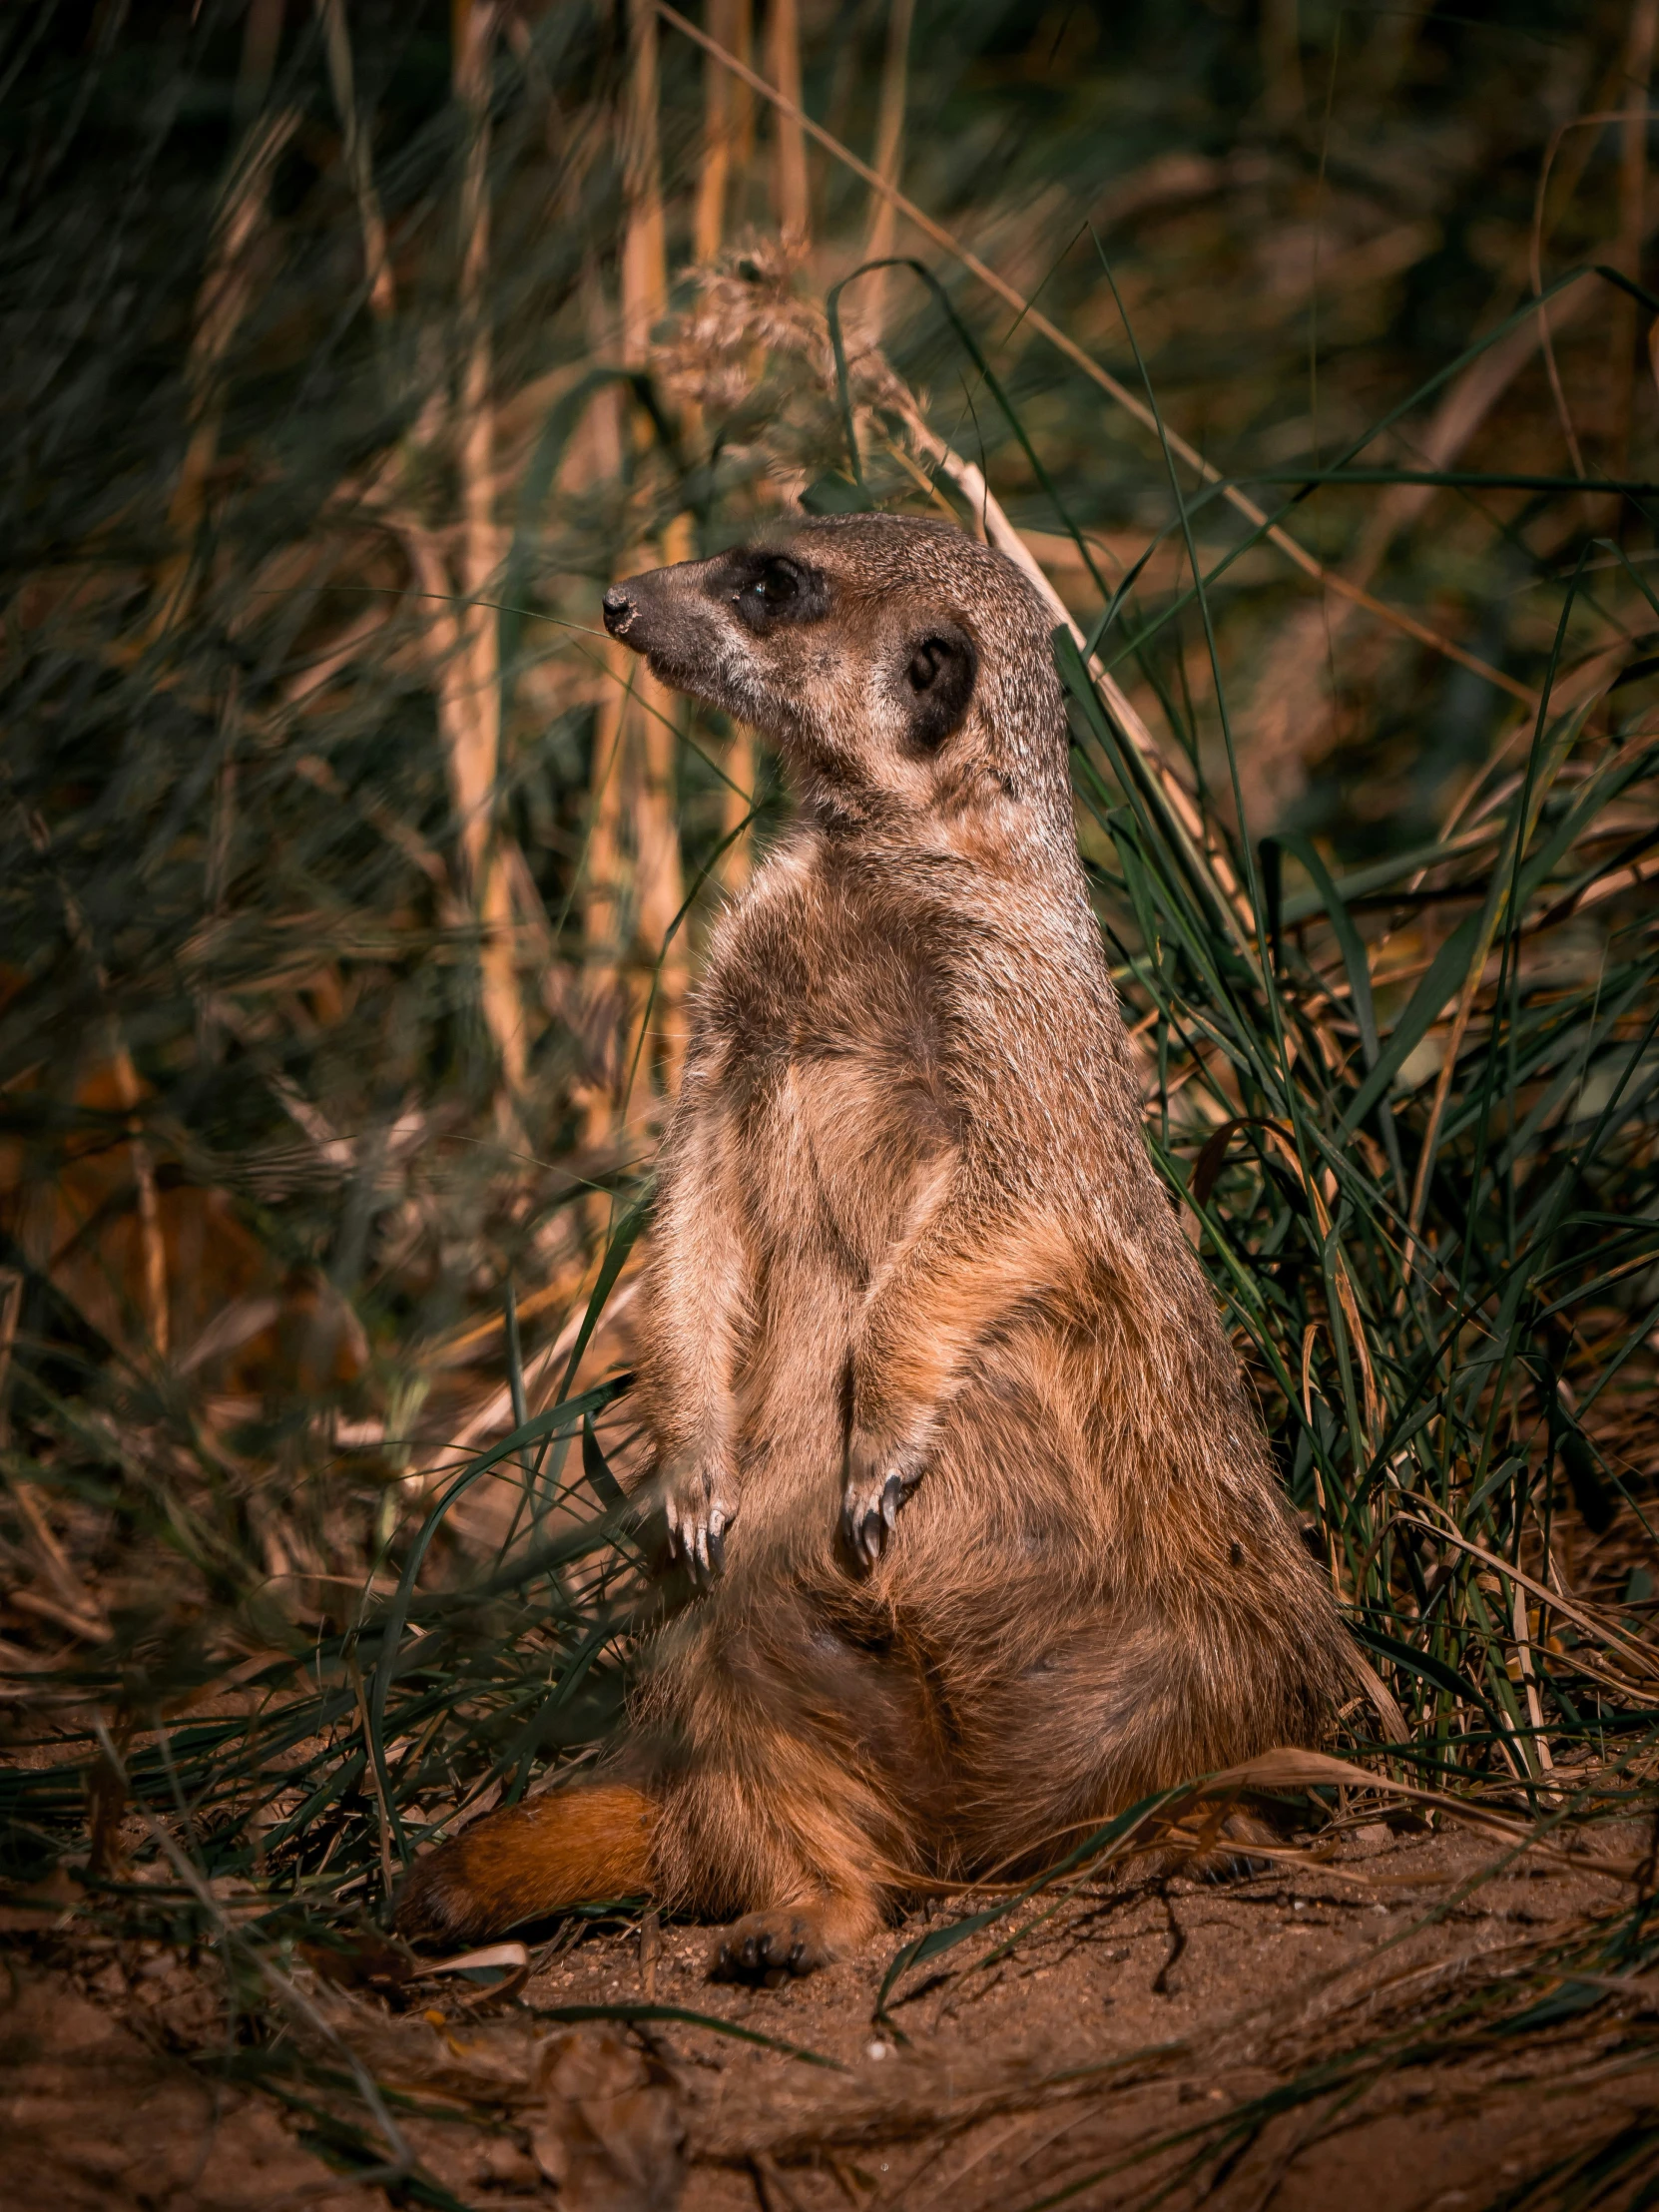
619,611
648,612
669,618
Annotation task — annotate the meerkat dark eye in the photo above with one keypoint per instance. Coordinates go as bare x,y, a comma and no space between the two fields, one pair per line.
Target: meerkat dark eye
778,583
940,674
770,587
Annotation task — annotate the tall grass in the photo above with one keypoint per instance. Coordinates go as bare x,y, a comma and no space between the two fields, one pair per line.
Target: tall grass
354,884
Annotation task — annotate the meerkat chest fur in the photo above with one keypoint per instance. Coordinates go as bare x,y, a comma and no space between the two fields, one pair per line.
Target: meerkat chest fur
829,1010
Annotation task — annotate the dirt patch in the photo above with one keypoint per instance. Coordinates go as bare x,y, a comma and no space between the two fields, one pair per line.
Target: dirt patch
1314,2031
97,2111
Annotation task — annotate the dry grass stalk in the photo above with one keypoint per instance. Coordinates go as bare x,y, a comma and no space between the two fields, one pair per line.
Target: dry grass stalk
1591,124
720,98
75,1607
789,144
648,728
382,295
151,1244
227,293
597,456
475,738
889,157
633,837
644,251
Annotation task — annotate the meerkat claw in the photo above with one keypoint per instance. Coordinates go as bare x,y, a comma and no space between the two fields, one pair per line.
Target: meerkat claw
709,1553
697,1526
869,1514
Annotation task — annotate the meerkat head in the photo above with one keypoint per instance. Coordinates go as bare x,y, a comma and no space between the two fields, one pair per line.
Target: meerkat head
901,666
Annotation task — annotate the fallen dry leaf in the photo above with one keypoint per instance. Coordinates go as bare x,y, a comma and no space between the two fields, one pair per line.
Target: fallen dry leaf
610,2133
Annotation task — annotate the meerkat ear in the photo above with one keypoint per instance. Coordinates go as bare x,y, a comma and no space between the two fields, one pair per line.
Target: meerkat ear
937,678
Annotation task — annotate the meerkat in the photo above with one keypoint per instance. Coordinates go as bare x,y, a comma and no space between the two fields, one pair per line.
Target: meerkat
987,1538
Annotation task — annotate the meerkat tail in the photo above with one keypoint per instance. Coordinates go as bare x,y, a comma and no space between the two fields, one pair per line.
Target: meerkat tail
571,1847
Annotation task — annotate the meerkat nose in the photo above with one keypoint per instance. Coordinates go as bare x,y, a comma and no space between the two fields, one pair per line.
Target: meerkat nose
619,610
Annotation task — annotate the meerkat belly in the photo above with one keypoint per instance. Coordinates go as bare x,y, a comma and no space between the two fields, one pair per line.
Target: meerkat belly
837,1152
843,1146
1014,1497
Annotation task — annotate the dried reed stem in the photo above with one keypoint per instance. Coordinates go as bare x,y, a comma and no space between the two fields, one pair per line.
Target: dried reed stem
226,295
152,1245
649,727
890,155
789,142
743,97
644,252
473,723
635,731
383,294
720,91
604,1013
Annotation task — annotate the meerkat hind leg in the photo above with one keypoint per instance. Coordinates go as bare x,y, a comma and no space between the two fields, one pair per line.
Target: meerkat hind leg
791,1941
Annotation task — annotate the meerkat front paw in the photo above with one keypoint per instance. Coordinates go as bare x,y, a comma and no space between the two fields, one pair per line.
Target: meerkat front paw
880,1479
701,1507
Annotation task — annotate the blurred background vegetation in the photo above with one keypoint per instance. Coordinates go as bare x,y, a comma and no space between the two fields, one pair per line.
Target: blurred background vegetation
353,882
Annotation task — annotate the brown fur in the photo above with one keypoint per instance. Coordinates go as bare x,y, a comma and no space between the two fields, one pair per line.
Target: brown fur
910,1252
564,1849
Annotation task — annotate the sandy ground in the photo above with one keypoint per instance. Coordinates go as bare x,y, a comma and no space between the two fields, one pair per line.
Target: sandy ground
1154,2009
